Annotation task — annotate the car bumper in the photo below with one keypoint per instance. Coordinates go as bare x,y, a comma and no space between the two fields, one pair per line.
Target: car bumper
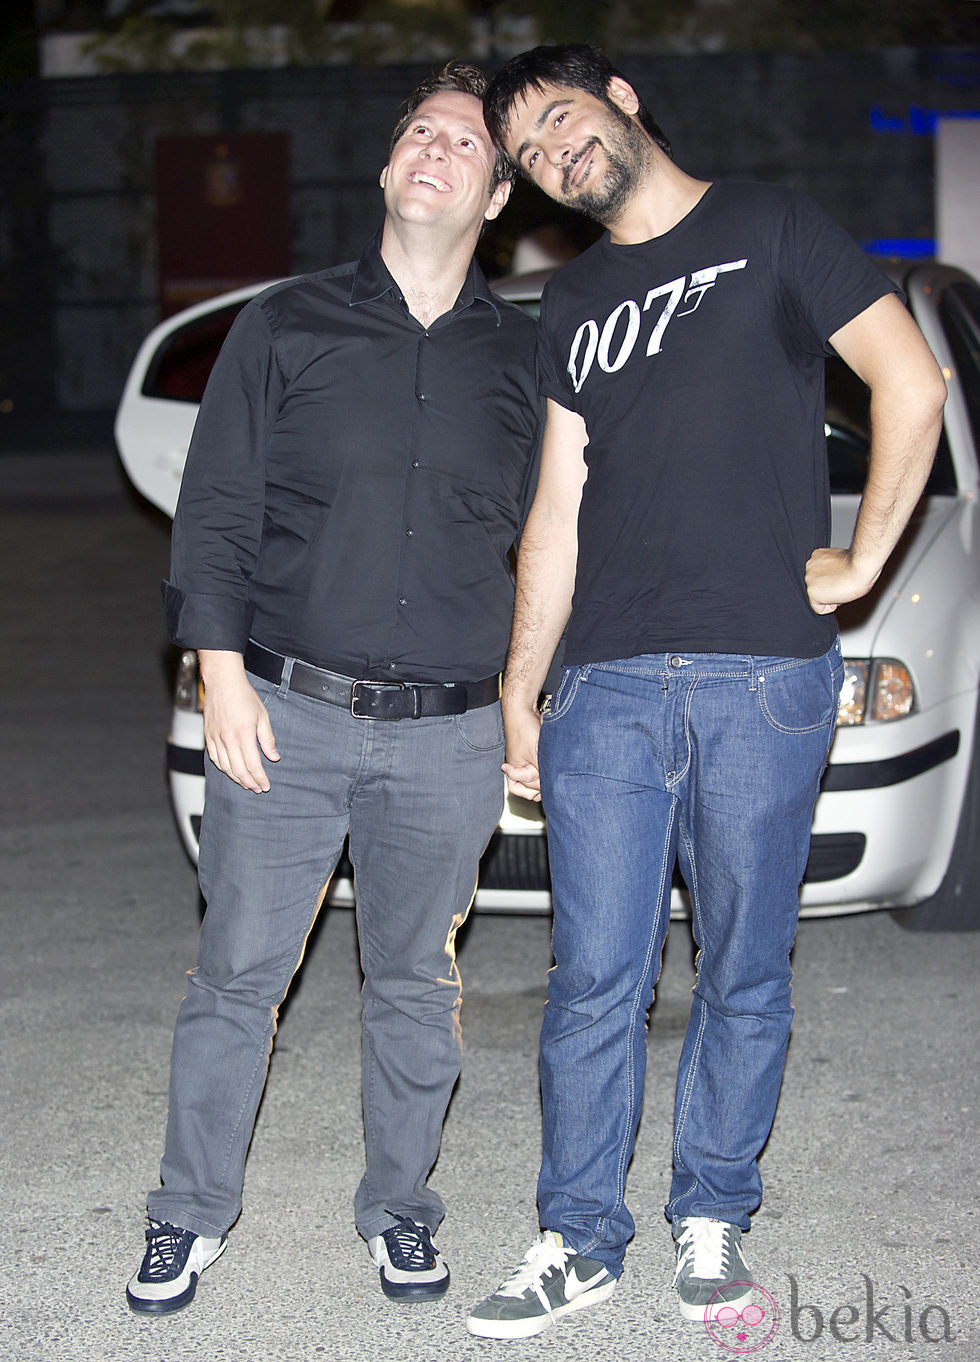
898,790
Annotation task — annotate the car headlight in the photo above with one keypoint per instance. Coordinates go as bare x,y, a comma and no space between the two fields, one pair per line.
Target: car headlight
188,690
874,690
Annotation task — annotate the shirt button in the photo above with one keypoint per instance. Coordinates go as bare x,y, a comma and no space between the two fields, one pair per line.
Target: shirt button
409,534
415,463
402,600
420,396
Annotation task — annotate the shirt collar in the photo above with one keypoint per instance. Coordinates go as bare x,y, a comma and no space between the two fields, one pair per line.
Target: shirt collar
372,280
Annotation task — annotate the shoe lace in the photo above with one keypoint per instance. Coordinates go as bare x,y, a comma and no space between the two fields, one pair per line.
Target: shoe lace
164,1242
544,1253
410,1246
705,1246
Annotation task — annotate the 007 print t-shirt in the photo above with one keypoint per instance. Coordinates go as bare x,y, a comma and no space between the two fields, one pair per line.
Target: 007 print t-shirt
696,360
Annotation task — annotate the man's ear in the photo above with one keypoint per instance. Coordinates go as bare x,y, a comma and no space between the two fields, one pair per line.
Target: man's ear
383,177
497,200
623,95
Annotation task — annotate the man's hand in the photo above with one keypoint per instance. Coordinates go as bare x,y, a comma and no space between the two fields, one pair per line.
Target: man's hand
522,726
832,578
237,730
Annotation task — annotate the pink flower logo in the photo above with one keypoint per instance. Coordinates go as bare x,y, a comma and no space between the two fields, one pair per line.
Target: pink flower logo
746,1330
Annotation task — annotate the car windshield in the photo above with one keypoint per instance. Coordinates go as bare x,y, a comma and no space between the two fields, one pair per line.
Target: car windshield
180,368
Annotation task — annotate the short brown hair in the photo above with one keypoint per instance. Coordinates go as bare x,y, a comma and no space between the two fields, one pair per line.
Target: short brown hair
457,77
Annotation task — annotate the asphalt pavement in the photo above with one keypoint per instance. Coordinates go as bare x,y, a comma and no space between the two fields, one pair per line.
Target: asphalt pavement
867,1242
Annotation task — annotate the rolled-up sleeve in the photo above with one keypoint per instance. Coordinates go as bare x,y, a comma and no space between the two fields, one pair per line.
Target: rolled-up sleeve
218,524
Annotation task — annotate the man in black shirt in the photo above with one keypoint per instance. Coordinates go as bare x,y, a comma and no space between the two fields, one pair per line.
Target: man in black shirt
680,532
353,488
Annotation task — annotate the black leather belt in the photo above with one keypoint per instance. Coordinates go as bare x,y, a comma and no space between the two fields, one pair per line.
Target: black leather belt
374,699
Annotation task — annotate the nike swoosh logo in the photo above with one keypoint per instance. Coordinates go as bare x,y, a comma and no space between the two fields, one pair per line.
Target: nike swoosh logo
574,1285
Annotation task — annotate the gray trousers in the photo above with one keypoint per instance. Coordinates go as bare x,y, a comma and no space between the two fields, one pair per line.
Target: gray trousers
420,799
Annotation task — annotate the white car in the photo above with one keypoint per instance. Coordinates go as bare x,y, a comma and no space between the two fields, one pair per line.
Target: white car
897,823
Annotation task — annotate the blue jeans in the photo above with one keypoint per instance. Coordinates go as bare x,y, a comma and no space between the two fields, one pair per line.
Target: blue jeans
420,799
714,758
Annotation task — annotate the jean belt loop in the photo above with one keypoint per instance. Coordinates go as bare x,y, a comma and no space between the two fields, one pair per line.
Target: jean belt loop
287,672
753,675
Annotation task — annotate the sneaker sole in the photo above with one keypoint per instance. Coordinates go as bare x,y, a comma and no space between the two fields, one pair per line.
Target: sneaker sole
409,1293
169,1305
708,1310
527,1328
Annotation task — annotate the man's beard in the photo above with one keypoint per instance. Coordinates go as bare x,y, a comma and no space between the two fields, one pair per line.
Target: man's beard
627,159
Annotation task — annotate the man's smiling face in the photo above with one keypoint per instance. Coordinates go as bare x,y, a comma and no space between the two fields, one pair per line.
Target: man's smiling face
441,168
581,151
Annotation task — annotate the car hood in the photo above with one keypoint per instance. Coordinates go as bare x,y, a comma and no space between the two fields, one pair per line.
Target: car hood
910,569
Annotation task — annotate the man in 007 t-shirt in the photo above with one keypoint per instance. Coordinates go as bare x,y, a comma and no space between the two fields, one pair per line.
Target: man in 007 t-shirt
679,540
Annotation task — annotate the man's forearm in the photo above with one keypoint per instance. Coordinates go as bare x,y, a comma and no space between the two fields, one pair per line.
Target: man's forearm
903,447
885,348
547,560
545,582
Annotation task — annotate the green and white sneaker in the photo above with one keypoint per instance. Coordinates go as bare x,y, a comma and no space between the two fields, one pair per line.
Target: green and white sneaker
711,1272
550,1282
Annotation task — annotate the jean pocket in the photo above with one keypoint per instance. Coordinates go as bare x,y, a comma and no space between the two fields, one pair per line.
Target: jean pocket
482,730
267,691
556,705
801,697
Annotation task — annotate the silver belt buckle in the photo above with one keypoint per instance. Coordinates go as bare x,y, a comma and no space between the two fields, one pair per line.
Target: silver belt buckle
377,685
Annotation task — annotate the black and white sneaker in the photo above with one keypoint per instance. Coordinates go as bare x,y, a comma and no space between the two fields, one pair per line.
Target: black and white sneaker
410,1264
711,1272
551,1281
172,1263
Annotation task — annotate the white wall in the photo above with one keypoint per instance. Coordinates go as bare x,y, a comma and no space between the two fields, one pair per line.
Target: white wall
958,192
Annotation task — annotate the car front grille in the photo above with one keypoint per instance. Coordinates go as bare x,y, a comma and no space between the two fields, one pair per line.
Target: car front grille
521,862
833,855
518,861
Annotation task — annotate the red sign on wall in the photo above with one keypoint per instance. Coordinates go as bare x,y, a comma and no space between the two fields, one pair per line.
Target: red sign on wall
223,214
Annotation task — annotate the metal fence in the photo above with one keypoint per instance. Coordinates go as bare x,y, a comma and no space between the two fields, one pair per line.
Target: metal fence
78,282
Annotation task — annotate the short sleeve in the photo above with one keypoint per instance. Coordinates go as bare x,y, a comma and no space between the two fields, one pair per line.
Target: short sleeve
554,380
830,278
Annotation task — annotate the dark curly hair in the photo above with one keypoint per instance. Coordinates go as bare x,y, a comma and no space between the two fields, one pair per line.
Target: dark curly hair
455,77
578,66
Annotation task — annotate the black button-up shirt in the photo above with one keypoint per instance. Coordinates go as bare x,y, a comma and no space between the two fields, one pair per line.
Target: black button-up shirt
356,480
